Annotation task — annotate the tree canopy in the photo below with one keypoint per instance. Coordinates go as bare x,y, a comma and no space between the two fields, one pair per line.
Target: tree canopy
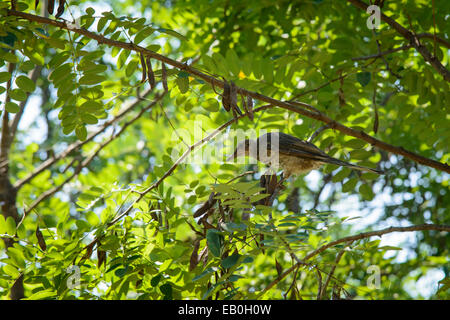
117,117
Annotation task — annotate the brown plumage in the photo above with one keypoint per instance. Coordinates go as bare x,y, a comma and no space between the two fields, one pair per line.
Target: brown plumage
292,155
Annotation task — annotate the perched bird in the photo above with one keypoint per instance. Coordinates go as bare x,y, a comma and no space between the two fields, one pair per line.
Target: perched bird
292,155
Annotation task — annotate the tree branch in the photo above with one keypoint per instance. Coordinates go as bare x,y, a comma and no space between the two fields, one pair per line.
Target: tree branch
89,159
439,40
330,275
5,142
383,53
412,38
351,239
179,161
297,107
76,145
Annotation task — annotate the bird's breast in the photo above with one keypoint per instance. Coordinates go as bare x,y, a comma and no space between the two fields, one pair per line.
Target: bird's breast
296,165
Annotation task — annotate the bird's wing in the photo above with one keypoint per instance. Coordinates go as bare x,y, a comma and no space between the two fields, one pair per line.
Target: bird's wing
293,146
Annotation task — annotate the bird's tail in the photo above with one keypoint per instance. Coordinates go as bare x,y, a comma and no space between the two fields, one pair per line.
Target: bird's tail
353,166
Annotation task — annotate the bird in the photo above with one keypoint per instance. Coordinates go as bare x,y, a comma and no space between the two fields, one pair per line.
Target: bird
293,155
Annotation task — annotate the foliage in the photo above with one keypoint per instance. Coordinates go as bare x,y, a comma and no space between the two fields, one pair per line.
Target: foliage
137,224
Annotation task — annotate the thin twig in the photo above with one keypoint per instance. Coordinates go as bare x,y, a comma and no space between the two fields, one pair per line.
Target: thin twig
317,132
86,161
330,274
360,236
78,144
412,38
177,163
383,53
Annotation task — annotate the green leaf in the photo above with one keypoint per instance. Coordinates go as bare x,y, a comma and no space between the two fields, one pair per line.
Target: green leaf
4,76
258,197
92,218
11,271
366,191
203,274
56,43
183,84
355,143
349,185
27,66
12,107
9,38
141,35
131,68
389,248
230,261
123,56
363,78
16,254
18,95
154,47
89,67
211,105
41,295
91,106
248,259
158,254
2,224
172,33
233,62
25,83
88,118
90,11
58,59
101,23
93,93
91,79
267,70
155,280
10,226
214,241
81,132
183,74
192,199
60,72
121,272
341,175
166,289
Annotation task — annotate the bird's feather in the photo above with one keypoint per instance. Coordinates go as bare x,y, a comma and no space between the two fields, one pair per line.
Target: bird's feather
292,146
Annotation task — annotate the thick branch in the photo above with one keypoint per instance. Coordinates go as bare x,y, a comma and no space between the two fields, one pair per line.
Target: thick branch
412,38
292,106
